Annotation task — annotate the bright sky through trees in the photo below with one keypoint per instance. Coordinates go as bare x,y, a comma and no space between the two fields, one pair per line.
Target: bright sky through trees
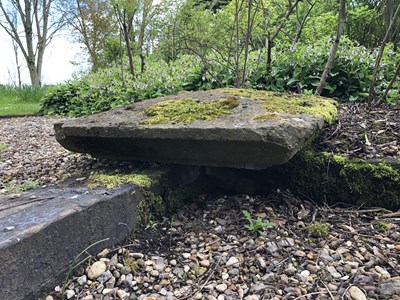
57,65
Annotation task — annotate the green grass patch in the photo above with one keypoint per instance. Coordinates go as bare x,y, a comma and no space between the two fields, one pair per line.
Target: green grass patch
20,100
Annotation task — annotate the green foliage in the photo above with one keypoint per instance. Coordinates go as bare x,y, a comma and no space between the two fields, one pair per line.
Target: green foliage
258,225
299,69
110,88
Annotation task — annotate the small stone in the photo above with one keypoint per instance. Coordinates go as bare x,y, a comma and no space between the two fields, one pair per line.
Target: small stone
122,294
81,280
257,288
272,247
332,287
290,270
389,289
198,296
313,268
261,263
96,270
303,276
49,297
128,279
252,297
356,293
136,255
221,287
154,273
224,276
232,262
103,253
205,263
397,247
333,272
324,255
104,277
107,291
299,253
186,255
173,262
88,297
69,294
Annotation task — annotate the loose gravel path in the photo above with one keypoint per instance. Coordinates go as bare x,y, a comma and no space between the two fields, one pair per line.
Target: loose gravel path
31,157
206,251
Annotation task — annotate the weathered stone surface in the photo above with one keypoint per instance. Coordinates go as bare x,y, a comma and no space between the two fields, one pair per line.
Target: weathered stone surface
237,139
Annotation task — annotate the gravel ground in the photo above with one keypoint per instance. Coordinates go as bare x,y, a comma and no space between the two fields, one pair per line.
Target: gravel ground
31,157
206,251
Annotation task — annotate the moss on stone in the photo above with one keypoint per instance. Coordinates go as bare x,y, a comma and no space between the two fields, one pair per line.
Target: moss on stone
188,110
111,181
290,103
150,209
334,178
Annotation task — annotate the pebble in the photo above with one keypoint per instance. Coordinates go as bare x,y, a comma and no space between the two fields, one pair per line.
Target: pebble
232,262
104,277
290,270
69,294
122,294
356,293
82,280
95,270
221,287
388,289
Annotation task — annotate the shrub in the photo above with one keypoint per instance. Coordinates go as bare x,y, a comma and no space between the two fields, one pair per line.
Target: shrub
110,88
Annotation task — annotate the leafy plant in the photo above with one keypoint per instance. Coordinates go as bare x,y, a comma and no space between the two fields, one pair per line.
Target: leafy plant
258,225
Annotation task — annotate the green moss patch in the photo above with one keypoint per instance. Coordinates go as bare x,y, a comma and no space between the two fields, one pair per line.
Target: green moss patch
333,178
290,103
188,110
112,181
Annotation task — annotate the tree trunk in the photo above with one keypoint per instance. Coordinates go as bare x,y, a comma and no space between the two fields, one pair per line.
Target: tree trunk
35,19
334,47
247,39
396,74
303,23
372,94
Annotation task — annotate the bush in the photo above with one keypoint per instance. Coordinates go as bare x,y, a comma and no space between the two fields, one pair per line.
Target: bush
300,69
110,88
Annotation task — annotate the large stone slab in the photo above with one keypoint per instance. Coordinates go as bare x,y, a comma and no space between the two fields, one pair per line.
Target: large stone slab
255,130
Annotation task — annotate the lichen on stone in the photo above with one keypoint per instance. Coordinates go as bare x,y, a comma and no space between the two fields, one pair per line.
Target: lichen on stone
188,110
112,181
274,102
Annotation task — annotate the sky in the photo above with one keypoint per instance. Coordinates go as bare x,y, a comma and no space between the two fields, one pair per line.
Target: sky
57,66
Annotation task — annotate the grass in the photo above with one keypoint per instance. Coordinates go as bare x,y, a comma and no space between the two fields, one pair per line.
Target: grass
20,100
